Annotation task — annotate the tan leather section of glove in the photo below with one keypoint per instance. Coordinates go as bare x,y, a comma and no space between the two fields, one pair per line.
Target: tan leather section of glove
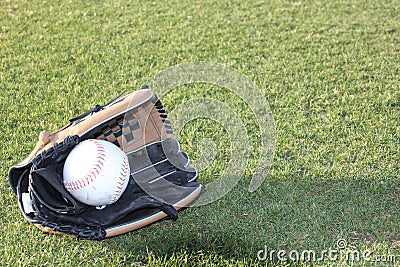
137,108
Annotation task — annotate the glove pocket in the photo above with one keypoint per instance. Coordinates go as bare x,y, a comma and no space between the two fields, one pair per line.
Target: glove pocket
47,189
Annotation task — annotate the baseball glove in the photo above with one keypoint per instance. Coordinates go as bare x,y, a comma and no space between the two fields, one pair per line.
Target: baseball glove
161,182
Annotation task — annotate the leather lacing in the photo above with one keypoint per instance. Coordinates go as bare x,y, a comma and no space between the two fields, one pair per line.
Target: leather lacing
78,231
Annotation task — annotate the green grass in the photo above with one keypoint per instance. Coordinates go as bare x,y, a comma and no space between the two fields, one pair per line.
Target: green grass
330,71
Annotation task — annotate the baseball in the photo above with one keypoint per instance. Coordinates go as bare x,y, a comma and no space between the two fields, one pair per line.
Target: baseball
96,172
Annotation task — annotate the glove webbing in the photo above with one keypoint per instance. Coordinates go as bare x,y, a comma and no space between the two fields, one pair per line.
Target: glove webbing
124,126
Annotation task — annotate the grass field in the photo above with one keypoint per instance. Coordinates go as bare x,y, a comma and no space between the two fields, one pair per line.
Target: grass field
330,71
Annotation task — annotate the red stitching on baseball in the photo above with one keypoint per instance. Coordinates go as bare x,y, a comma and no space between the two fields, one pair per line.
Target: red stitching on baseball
98,165
92,174
121,179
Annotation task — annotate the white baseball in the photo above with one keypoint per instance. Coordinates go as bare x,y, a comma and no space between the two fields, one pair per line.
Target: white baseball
96,172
